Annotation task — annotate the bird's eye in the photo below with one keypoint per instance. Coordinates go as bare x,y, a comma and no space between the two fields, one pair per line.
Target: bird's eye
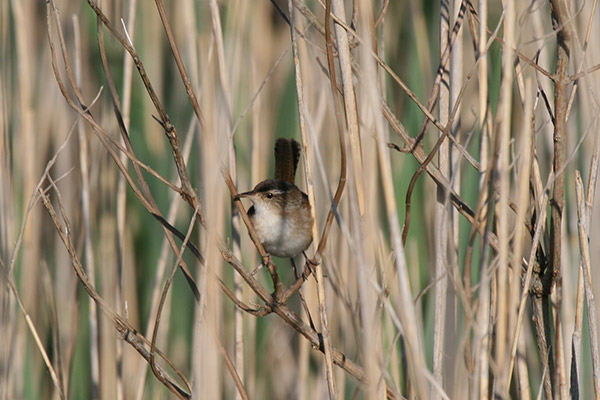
269,195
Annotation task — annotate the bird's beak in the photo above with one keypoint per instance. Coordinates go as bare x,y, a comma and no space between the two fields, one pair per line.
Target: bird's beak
245,194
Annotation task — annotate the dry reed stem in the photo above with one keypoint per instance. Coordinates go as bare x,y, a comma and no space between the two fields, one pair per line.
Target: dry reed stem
121,199
543,322
458,83
85,202
441,239
235,219
340,129
324,319
576,364
350,104
503,218
369,295
582,224
523,198
28,166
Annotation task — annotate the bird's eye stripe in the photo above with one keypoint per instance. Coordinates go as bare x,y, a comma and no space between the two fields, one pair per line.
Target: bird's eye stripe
272,193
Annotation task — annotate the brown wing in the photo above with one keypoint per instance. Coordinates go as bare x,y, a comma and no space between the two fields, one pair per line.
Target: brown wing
287,155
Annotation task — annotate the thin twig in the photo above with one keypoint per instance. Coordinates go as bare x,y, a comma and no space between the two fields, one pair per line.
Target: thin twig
128,333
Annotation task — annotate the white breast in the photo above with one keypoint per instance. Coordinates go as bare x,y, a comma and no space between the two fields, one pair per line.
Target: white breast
277,233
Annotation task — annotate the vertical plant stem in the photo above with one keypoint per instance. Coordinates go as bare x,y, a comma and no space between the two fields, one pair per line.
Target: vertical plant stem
238,354
441,215
350,105
26,162
503,217
576,364
541,320
311,195
89,250
121,195
562,25
480,359
523,198
582,220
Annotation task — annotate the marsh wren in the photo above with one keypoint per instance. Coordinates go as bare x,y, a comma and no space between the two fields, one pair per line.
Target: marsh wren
281,213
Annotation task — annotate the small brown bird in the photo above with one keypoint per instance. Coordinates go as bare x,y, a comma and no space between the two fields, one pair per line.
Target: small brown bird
281,213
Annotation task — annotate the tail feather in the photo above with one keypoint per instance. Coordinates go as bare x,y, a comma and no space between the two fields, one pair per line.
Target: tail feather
287,155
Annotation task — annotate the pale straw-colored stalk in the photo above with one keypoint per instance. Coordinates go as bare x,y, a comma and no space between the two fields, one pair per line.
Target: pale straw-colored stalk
503,217
442,218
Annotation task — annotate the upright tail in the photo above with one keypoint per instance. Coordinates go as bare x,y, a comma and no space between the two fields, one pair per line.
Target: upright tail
287,155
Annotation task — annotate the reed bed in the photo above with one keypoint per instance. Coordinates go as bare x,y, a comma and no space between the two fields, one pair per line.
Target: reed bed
450,151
